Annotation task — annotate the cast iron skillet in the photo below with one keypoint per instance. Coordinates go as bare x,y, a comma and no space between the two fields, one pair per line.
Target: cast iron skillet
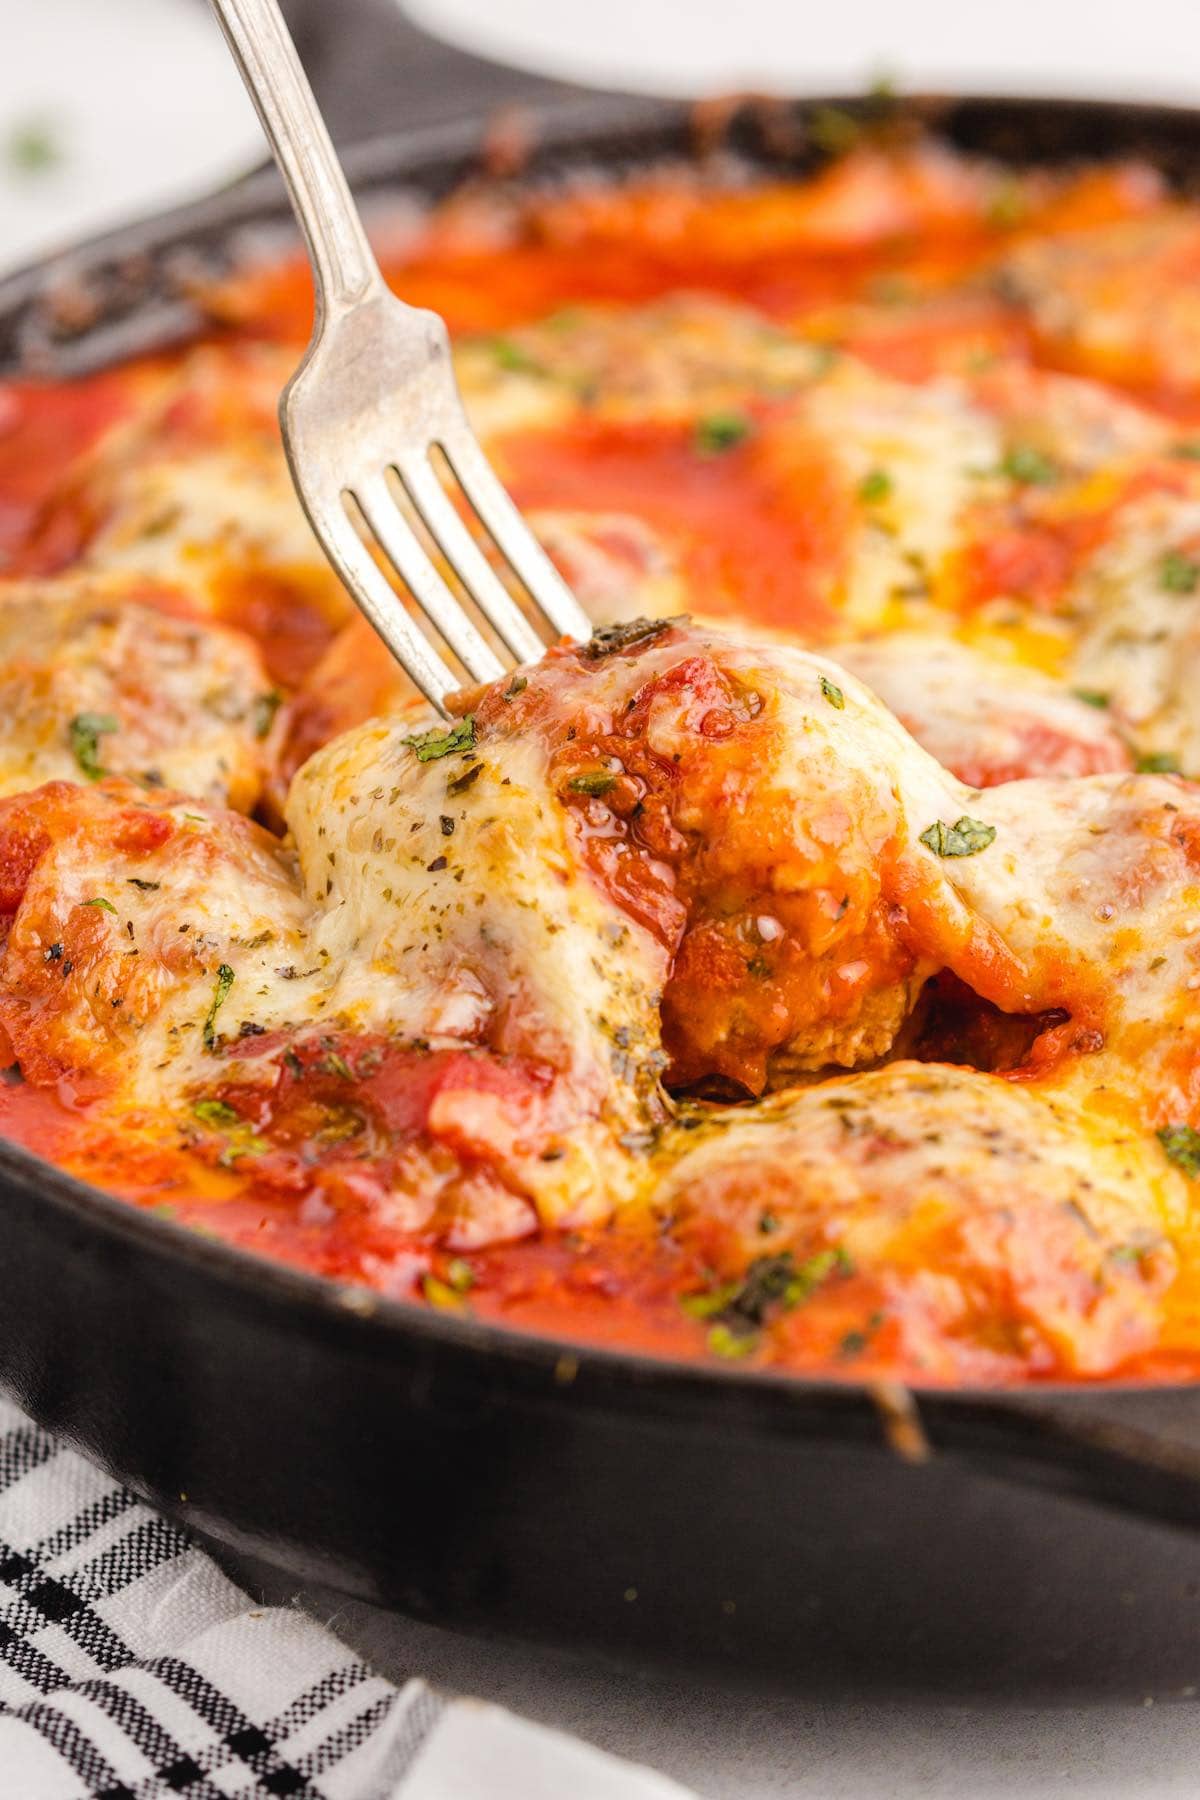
447,1467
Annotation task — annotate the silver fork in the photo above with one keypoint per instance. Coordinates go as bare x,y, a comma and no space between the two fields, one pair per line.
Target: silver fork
374,395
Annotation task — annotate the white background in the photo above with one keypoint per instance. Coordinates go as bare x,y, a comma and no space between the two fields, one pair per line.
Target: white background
1149,48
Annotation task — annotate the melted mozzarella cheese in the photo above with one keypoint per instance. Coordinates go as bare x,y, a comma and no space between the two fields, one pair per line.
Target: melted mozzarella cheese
1138,630
925,448
668,360
453,910
113,961
202,518
93,678
1119,298
986,1213
989,721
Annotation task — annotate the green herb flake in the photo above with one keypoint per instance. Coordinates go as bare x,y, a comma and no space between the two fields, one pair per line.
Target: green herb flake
225,980
834,130
1181,1146
856,1340
146,887
33,148
511,357
245,1144
1158,762
1178,574
724,1341
1187,450
1092,697
875,485
441,1294
1007,205
707,1304
831,692
430,745
461,783
966,837
718,432
85,731
630,634
333,1064
216,1112
594,781
1030,467
739,1309
516,686
263,712
103,904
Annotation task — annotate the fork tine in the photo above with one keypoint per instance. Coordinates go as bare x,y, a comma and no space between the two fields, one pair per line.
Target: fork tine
437,602
495,508
382,606
467,560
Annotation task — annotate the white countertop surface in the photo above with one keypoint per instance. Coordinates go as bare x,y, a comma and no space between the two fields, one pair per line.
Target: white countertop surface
1106,1709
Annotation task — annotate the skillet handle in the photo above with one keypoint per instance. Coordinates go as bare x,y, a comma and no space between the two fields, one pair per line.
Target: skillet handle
374,71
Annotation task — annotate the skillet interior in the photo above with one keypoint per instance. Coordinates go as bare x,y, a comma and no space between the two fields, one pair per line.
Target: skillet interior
463,1473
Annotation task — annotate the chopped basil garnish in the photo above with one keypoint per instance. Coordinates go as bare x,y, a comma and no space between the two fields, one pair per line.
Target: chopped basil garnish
1158,762
875,485
1181,1145
441,1294
216,1112
430,745
147,887
1091,697
833,693
460,1275
461,783
966,837
833,130
740,1308
594,781
33,147
1029,466
102,903
720,431
512,357
606,640
225,980
1006,205
86,729
1178,574
264,710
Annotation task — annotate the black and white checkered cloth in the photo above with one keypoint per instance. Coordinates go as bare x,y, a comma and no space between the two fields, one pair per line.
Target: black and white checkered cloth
131,1669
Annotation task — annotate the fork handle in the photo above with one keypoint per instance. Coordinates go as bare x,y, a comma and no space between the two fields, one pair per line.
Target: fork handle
343,262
